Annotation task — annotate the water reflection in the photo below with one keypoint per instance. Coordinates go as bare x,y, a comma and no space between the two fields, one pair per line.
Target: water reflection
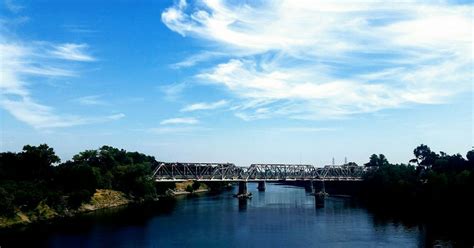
242,205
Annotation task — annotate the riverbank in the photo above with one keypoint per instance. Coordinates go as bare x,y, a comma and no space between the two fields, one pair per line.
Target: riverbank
102,198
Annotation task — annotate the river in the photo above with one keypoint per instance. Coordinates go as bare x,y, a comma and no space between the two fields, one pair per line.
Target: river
282,216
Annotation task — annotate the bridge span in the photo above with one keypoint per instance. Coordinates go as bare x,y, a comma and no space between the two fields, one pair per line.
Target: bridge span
228,172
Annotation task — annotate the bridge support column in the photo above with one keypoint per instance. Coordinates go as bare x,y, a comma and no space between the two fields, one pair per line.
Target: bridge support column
319,186
320,195
261,186
309,187
243,188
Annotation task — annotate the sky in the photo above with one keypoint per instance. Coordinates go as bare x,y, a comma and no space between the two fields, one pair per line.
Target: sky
238,81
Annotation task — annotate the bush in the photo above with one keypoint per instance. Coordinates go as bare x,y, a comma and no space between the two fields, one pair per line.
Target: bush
6,203
189,189
77,198
196,185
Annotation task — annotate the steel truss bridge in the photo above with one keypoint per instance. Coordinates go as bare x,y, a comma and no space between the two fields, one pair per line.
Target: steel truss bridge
171,172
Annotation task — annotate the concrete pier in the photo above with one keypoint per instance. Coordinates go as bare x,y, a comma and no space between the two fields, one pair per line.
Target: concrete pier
261,186
309,186
319,186
243,188
320,195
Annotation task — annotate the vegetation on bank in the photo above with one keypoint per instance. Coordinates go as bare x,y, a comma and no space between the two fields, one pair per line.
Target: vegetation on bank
431,181
34,183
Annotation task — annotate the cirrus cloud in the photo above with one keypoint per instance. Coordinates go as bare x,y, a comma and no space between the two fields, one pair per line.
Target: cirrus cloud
204,106
20,65
184,120
331,59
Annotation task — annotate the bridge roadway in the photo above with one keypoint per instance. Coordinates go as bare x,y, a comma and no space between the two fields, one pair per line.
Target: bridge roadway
228,172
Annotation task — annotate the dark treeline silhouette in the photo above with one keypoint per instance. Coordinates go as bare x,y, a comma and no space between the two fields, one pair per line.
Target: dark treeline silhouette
430,182
35,176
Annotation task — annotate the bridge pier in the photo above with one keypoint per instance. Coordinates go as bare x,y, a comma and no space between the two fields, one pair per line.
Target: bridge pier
243,188
309,186
320,195
319,186
261,186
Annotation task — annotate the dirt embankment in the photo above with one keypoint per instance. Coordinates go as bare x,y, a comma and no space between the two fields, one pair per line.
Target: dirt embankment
105,198
102,198
186,187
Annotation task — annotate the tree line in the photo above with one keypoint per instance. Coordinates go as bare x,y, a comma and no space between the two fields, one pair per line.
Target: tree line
35,175
430,181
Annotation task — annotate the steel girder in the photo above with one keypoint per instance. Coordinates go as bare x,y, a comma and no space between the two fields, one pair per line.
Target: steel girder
256,172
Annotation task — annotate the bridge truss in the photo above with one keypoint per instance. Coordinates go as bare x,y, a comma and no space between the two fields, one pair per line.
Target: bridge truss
256,172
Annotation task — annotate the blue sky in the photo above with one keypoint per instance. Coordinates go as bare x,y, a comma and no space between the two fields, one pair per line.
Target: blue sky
238,81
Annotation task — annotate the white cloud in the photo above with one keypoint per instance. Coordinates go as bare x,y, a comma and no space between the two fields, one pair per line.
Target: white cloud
40,116
71,51
204,106
91,100
20,66
187,120
12,6
330,59
173,91
195,59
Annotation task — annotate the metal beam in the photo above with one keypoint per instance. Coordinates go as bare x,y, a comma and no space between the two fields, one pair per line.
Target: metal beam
179,171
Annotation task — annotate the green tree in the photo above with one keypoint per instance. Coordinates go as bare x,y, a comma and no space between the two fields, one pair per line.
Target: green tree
470,157
377,160
89,157
37,160
373,161
189,189
196,185
424,156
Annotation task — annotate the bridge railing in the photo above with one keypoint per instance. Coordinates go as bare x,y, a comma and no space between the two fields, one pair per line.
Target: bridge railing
256,172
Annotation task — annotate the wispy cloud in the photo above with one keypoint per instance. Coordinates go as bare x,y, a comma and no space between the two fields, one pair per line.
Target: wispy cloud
184,120
13,7
325,59
204,106
195,59
71,51
41,116
20,65
173,91
91,100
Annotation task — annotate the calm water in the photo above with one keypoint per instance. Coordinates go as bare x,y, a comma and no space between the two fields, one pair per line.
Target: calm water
283,216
